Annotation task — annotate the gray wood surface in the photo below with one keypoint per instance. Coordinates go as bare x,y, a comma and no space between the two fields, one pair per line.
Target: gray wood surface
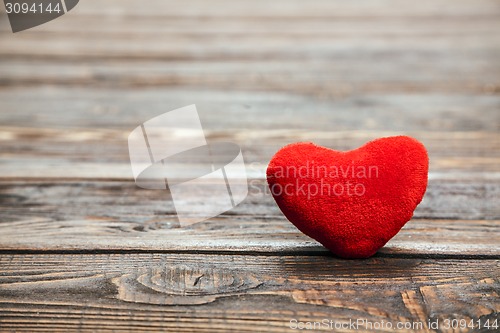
83,249
241,293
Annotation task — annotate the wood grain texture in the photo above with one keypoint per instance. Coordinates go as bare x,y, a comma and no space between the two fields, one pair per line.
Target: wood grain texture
118,215
82,249
97,153
330,48
237,293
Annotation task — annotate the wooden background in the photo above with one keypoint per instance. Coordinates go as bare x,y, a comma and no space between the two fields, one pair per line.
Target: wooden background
83,249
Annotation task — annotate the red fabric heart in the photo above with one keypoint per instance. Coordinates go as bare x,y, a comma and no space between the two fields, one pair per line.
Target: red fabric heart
352,202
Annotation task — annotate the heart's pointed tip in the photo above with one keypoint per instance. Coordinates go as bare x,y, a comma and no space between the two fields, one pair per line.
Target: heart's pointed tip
355,248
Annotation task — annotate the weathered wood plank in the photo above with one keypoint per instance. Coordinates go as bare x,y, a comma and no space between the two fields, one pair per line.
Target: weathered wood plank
347,75
263,75
111,144
103,153
327,49
285,8
320,80
118,215
61,169
241,234
353,29
199,9
122,200
179,293
71,108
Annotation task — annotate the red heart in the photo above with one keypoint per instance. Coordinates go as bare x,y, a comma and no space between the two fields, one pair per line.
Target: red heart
352,202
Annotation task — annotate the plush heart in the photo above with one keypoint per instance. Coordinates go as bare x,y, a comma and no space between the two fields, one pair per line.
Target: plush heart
352,202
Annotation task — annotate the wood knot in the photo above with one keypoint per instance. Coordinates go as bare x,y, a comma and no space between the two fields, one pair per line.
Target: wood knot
182,285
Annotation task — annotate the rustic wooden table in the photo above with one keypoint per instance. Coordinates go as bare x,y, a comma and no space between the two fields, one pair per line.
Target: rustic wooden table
83,249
